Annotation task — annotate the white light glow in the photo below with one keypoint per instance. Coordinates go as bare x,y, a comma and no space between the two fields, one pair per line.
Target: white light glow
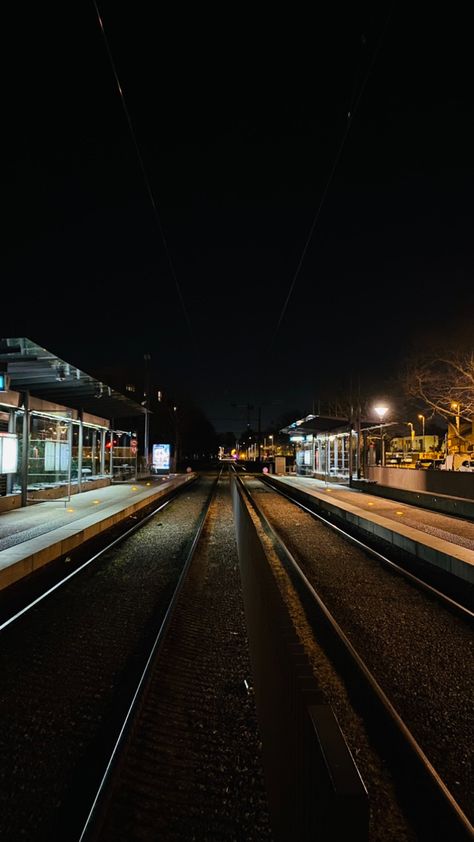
381,411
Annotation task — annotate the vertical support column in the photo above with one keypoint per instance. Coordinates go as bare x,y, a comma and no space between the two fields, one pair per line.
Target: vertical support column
259,434
359,444
79,450
94,452
112,450
103,436
11,429
26,447
351,457
69,469
328,445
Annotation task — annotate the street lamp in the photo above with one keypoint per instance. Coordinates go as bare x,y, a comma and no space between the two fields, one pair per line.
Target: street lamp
381,411
146,404
422,419
412,434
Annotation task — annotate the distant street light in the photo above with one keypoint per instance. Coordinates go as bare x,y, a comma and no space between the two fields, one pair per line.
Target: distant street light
381,411
422,419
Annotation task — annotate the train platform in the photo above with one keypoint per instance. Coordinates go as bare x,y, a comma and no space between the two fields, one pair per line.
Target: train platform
438,539
39,533
33,536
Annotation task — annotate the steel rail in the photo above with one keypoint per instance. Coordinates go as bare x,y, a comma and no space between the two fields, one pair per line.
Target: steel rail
465,612
370,681
127,723
126,534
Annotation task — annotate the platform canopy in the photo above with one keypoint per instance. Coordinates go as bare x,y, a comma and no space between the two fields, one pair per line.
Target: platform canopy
318,424
34,369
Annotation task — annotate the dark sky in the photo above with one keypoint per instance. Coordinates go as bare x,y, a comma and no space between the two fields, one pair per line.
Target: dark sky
239,119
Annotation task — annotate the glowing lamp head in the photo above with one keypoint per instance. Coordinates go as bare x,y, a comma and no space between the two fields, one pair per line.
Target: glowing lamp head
381,411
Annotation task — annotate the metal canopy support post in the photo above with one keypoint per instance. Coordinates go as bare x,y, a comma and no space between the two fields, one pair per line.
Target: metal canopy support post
146,447
79,451
26,447
351,425
359,444
69,445
259,433
11,429
103,436
111,465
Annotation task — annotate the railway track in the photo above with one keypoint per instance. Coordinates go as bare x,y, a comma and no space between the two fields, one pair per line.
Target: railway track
70,663
188,763
101,739
402,653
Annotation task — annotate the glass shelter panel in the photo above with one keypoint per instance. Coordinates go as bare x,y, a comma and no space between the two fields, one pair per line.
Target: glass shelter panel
48,452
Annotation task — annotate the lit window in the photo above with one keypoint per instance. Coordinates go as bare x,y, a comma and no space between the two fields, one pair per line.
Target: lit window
130,387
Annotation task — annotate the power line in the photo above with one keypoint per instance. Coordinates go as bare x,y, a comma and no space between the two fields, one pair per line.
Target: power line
141,163
350,116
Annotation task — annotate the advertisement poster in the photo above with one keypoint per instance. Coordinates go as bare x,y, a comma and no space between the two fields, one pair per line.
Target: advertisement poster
161,457
56,456
8,453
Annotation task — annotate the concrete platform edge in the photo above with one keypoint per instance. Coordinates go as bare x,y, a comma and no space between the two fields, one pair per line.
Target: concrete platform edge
451,558
23,559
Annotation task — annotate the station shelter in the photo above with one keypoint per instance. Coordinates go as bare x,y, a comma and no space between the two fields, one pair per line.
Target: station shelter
327,447
58,427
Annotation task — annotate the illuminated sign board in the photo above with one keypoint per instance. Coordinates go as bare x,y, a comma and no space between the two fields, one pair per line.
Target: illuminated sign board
4,382
161,457
8,453
56,456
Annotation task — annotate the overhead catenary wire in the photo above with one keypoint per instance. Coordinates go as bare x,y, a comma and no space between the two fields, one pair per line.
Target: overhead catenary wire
142,165
350,117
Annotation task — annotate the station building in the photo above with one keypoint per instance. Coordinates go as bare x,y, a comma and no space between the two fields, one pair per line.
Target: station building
59,427
330,448
323,447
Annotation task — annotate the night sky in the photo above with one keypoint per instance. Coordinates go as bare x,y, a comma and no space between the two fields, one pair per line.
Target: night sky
241,121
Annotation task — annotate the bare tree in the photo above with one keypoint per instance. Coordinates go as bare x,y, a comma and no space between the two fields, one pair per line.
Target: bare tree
444,382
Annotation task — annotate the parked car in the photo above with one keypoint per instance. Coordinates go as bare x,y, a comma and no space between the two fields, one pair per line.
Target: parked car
428,464
467,465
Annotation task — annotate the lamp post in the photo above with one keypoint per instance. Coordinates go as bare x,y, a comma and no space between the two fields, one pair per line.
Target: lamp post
457,408
422,419
146,404
412,434
381,412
